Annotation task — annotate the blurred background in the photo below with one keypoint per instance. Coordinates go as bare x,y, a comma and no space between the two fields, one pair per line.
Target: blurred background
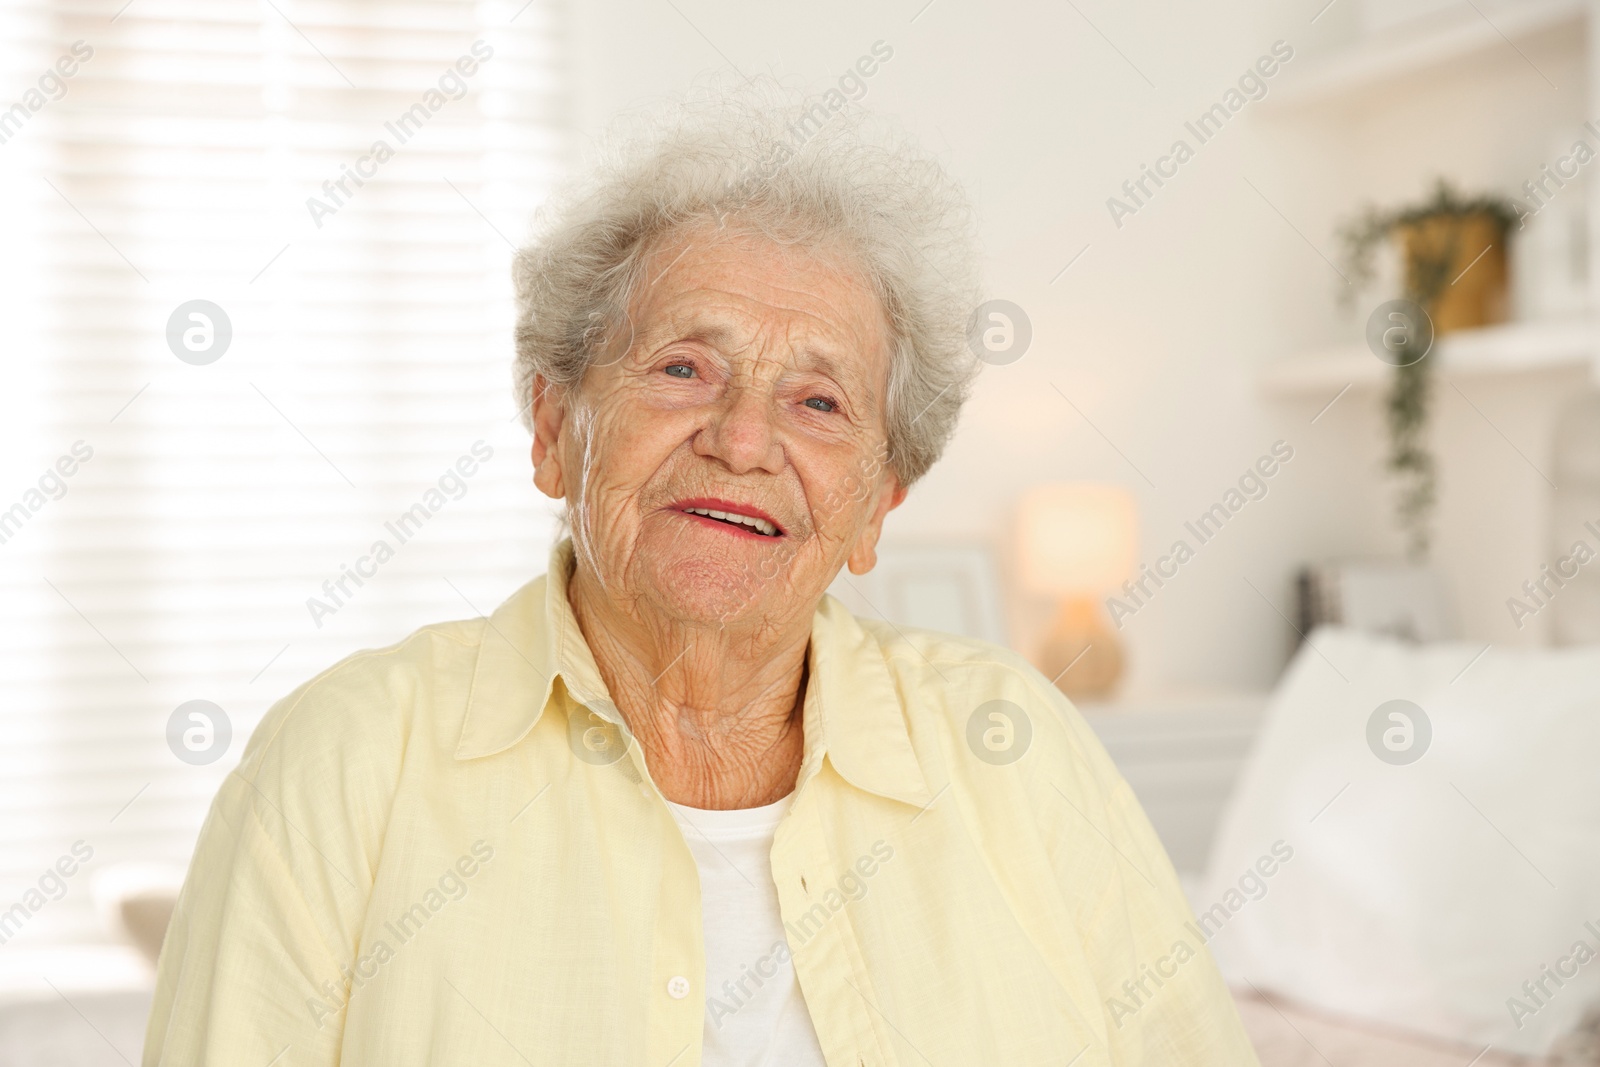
1284,462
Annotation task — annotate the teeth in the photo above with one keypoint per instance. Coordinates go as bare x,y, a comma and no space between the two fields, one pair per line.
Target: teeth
759,525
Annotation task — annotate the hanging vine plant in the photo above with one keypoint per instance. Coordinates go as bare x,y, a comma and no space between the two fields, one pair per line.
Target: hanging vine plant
1453,251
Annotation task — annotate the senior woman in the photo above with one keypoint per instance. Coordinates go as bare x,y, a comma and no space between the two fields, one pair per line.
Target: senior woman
670,804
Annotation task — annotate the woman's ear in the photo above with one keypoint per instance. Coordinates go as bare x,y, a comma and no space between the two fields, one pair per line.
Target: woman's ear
549,416
864,554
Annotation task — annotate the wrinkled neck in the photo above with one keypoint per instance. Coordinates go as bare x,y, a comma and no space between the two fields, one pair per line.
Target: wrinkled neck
716,709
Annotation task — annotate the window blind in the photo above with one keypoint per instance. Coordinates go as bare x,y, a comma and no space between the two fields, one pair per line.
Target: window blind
256,316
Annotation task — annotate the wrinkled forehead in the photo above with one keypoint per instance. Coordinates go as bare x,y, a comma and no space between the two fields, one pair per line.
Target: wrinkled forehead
809,308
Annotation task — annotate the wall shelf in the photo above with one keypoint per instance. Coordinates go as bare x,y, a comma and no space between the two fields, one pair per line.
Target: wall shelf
1374,63
1513,348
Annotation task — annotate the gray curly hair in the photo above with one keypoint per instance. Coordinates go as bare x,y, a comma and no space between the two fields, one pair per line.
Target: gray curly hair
795,171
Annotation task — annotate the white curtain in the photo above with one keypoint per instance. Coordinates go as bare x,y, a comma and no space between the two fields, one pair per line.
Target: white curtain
345,182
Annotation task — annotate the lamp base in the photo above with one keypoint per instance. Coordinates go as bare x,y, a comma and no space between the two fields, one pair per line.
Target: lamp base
1080,652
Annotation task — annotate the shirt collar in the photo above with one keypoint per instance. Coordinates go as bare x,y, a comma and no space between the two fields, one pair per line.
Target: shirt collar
852,711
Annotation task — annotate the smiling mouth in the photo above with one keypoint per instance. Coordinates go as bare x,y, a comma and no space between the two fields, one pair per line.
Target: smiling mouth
749,524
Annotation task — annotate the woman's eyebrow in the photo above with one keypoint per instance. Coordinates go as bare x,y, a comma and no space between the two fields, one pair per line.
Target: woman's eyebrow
847,373
810,359
844,371
693,326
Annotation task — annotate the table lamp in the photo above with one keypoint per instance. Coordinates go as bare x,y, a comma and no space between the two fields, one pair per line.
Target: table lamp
1078,542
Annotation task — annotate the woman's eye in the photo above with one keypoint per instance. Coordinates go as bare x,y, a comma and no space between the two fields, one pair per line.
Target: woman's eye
680,370
819,403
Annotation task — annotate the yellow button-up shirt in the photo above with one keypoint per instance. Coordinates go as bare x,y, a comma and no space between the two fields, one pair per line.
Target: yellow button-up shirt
449,851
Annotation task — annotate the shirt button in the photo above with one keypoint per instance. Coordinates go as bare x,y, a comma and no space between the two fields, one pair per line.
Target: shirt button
677,987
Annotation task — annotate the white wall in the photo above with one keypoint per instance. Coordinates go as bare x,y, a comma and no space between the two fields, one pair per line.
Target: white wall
1157,332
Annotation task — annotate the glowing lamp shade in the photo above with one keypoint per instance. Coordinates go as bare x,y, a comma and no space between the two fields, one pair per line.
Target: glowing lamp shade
1076,539
1078,542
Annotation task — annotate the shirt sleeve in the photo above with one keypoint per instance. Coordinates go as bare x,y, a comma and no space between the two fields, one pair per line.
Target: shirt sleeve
255,968
1172,1006
1162,999
244,959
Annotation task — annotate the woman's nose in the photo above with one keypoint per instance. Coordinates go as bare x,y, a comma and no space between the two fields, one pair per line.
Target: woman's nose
742,432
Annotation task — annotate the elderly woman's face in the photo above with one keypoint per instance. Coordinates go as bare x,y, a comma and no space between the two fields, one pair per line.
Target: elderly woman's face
727,457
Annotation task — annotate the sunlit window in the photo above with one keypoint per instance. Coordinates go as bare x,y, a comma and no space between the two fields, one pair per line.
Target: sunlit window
255,317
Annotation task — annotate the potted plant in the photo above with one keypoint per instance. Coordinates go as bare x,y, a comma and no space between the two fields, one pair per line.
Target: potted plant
1453,264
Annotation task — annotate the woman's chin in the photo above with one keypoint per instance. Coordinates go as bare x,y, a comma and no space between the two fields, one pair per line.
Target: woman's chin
720,588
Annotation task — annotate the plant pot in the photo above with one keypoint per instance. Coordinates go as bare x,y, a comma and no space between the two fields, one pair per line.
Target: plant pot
1438,254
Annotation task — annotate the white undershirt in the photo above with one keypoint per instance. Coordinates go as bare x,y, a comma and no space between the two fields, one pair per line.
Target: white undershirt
764,1023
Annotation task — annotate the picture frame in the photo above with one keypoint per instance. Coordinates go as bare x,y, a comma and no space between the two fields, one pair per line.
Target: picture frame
950,588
